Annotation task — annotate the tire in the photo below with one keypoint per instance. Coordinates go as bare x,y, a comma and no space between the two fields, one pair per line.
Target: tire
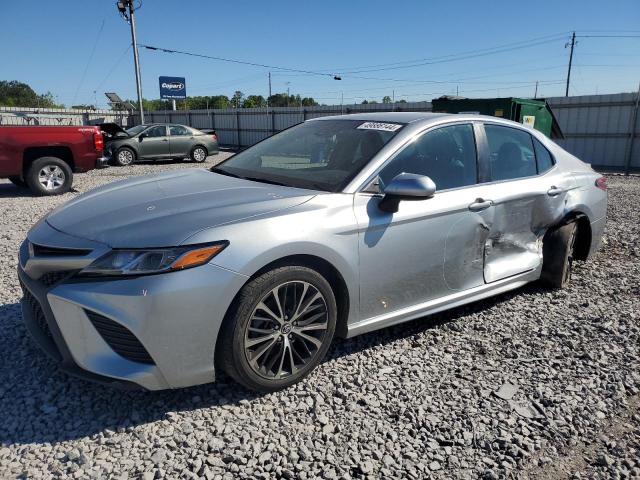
557,255
198,154
289,355
18,182
124,156
49,176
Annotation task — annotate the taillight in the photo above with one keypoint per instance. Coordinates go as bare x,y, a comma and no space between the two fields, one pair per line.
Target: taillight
98,141
215,137
601,183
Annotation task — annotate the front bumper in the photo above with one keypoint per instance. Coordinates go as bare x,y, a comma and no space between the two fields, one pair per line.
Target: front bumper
175,317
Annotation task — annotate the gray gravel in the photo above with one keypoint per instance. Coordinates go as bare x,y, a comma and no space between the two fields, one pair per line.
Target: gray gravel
530,384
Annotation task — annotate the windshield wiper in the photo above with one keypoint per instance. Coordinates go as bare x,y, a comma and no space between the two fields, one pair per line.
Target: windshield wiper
264,180
253,179
224,172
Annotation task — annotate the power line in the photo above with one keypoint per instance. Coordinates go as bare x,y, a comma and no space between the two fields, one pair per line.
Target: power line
112,69
455,58
231,60
86,67
487,50
392,66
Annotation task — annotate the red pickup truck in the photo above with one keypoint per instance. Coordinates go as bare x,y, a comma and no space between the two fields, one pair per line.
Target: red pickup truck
44,158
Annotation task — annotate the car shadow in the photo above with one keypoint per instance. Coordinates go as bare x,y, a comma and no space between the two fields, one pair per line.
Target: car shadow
9,190
66,408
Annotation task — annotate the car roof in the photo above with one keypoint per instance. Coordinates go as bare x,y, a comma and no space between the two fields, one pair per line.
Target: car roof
422,119
401,117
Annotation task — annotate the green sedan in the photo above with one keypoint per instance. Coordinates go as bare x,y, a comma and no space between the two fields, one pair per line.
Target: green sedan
156,141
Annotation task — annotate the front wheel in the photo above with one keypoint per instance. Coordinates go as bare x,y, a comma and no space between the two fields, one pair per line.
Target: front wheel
49,176
557,255
279,328
198,154
124,156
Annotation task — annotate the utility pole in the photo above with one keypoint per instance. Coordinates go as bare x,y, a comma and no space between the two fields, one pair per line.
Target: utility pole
126,9
341,103
632,134
535,94
573,43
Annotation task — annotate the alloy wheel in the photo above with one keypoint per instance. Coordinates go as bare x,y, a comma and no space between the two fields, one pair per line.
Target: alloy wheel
125,157
51,177
199,155
286,330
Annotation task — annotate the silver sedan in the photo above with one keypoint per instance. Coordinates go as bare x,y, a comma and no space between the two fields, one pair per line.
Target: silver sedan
337,226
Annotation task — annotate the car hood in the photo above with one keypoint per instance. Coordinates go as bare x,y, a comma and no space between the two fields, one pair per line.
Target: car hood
166,209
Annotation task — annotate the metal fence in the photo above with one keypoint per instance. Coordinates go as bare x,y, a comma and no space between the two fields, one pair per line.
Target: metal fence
600,129
62,116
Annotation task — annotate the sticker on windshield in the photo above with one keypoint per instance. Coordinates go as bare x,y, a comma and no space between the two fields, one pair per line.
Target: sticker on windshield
387,127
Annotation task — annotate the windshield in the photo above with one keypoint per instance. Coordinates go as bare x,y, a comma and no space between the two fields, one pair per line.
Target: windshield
136,130
320,155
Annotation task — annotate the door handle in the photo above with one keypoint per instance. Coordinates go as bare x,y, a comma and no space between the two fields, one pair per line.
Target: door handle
165,139
554,191
480,204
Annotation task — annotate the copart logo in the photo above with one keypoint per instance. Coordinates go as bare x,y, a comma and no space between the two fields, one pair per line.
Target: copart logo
173,85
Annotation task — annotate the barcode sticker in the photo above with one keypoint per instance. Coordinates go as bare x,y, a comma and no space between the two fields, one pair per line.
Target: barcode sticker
387,127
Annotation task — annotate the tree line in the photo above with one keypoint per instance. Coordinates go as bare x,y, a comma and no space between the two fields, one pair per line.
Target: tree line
237,100
18,94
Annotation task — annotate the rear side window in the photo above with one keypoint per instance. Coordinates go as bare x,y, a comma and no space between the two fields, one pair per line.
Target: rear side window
543,157
511,153
447,155
178,130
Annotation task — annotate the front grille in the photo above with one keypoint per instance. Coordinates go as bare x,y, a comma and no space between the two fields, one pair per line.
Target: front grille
53,278
37,312
120,339
46,251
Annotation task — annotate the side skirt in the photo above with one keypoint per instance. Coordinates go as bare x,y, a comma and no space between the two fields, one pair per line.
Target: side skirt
444,303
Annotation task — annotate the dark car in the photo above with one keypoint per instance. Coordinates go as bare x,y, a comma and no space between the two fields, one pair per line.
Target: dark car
156,141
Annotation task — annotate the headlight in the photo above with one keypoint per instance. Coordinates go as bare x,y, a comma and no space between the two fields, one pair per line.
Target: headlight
153,260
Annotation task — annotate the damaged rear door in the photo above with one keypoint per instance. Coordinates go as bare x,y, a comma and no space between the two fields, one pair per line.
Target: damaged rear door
519,202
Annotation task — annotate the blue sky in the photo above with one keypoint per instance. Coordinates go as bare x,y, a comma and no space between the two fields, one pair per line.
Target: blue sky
48,44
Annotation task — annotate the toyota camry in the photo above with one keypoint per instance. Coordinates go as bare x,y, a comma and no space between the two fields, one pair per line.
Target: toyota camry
334,227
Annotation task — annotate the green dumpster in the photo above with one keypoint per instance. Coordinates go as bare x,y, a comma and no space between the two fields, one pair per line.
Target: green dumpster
534,113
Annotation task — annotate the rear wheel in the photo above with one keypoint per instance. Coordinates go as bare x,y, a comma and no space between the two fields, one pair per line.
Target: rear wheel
279,328
49,176
557,255
124,156
198,154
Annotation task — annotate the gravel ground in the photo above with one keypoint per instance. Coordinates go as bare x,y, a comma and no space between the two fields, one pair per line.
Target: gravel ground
530,384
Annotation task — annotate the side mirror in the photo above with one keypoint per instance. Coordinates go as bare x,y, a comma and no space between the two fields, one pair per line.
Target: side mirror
142,136
406,186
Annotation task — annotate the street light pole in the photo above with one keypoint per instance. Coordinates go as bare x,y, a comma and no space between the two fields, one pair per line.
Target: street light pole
126,9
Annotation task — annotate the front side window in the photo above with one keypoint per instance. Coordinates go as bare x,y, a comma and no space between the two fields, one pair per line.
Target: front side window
157,131
136,130
543,157
447,155
511,153
178,130
320,155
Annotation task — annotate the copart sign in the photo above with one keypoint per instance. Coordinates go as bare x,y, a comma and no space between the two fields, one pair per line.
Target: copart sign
173,88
